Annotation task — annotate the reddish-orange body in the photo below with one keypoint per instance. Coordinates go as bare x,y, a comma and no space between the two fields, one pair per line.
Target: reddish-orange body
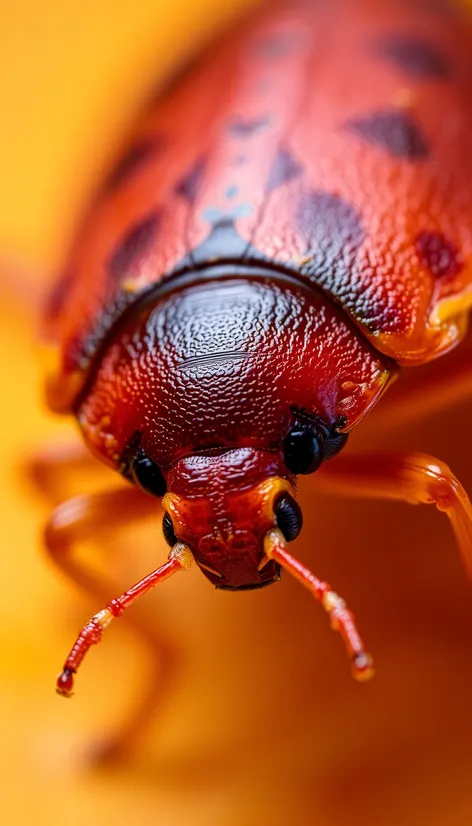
290,225
284,133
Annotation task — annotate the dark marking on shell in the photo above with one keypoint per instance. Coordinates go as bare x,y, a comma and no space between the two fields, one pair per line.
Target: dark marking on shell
440,256
214,215
165,88
59,295
246,128
394,130
189,184
232,192
133,160
132,247
333,232
417,57
225,244
284,169
278,45
447,9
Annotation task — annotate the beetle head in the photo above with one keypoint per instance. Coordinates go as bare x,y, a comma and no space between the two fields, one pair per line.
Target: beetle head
223,504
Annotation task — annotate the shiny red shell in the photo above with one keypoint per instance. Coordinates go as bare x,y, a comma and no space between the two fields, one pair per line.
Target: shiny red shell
289,225
330,139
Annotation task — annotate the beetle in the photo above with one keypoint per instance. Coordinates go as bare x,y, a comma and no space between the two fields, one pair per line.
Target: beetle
288,231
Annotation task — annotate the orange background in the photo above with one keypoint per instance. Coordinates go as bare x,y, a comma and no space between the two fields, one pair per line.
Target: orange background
264,724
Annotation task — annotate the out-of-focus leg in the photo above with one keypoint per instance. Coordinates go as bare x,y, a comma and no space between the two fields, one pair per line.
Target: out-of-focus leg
408,477
54,467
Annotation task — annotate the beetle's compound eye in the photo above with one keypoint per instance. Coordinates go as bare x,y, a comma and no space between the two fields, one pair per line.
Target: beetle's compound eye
333,443
168,531
147,475
302,450
289,516
307,445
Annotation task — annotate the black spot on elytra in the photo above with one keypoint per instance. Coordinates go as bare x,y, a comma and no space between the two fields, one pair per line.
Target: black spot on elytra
223,243
165,90
133,160
246,128
133,246
394,130
232,191
416,56
441,256
447,9
59,295
189,184
214,215
284,169
332,229
277,45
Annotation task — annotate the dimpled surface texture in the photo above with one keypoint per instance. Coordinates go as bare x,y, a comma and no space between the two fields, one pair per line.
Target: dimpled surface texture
331,139
225,364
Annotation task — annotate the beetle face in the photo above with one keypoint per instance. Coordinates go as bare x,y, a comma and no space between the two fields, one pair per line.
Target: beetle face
222,504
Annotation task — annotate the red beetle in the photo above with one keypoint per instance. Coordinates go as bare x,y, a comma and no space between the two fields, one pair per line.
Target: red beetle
289,230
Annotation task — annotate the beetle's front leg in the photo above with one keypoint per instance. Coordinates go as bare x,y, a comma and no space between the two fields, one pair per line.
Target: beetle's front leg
55,467
77,520
408,477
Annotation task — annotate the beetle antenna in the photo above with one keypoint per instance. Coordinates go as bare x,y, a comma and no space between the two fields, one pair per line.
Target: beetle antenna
180,559
341,619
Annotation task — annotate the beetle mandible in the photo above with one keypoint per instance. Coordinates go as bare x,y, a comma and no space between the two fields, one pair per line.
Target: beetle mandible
289,230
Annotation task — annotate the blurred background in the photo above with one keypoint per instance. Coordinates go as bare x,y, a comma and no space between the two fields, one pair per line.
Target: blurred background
263,723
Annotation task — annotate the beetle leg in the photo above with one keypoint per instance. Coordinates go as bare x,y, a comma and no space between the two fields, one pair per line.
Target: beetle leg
54,466
408,477
78,520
